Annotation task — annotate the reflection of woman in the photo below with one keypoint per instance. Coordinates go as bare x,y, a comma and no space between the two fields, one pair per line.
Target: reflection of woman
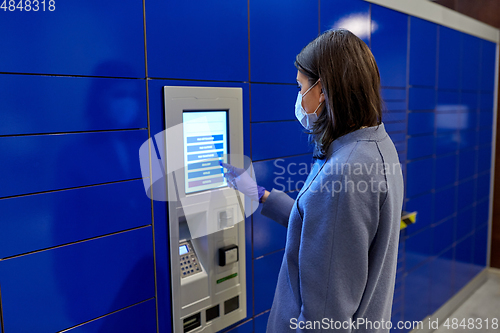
340,257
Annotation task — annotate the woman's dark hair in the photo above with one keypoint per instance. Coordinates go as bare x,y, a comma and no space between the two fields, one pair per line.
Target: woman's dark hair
350,81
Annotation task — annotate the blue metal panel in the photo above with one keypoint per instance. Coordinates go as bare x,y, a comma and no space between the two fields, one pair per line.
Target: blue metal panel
420,177
441,278
397,315
483,186
138,318
266,270
484,158
268,236
277,139
261,322
466,194
284,174
488,61
465,222
417,294
443,235
423,52
244,328
390,94
395,105
449,58
398,138
467,139
446,143
278,33
445,203
469,120
446,170
394,116
418,248
389,45
400,146
481,245
80,282
486,101
420,146
484,136
447,122
471,61
397,305
463,259
447,101
353,15
67,104
424,206
485,119
57,218
469,100
270,101
392,127
482,213
422,99
420,123
210,40
466,164
402,157
49,162
85,38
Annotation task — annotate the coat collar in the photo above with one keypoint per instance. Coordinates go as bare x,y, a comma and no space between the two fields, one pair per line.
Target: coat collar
373,133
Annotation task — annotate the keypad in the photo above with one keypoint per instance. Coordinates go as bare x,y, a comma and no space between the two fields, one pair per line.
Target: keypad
189,262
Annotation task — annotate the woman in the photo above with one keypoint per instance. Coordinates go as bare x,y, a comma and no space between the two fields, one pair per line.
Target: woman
340,257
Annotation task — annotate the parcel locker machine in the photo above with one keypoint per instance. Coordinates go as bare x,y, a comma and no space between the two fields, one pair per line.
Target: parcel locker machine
204,126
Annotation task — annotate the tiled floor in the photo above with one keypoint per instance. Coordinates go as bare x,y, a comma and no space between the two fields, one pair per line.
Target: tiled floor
483,304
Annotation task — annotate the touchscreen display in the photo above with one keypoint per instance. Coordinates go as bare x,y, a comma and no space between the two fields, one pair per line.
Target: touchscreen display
205,144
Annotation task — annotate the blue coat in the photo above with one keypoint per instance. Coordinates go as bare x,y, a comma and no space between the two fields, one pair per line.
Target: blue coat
339,265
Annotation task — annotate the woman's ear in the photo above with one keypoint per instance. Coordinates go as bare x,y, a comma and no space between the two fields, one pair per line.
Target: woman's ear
321,96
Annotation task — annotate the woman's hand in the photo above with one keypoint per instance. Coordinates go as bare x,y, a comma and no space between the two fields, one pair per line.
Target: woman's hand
241,180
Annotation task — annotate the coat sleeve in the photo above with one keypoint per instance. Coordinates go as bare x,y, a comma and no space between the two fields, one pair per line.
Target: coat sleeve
337,230
278,206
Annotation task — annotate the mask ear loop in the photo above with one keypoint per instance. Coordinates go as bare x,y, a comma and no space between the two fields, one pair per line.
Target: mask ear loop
317,108
315,83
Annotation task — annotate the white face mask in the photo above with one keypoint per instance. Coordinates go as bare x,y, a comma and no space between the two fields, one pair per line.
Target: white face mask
306,119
